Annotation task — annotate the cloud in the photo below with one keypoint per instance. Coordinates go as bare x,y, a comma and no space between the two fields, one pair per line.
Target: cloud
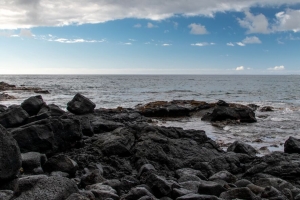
197,29
277,68
230,44
72,41
176,24
25,33
12,33
150,25
37,13
202,44
166,45
137,26
287,21
241,68
240,44
255,23
251,40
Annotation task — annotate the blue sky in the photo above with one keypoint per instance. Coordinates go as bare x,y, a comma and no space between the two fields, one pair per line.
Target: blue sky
150,37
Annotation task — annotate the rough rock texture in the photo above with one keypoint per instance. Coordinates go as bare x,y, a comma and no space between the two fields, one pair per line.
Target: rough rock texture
33,105
32,161
292,145
60,163
46,188
80,105
9,155
239,193
13,117
48,136
241,147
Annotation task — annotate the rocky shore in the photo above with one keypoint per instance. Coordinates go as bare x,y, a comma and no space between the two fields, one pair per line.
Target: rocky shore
110,154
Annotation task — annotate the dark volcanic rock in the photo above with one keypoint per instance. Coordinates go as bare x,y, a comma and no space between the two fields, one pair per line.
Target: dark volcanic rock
100,125
48,136
9,155
239,193
6,194
32,161
118,142
223,175
176,108
292,145
233,112
61,163
13,117
197,197
211,188
241,147
2,108
76,196
173,147
266,109
33,105
277,164
159,185
52,109
45,188
80,105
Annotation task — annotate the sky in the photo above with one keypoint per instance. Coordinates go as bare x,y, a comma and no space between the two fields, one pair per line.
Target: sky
150,37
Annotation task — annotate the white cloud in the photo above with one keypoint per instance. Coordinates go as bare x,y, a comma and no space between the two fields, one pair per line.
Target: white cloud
230,44
241,68
240,44
202,44
277,68
287,21
73,41
166,45
176,24
127,43
197,29
137,26
255,23
150,25
25,33
251,40
34,13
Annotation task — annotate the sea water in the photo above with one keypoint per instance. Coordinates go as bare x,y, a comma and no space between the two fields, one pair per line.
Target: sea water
111,91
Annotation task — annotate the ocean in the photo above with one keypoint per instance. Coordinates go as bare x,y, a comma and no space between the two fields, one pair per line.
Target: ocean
110,91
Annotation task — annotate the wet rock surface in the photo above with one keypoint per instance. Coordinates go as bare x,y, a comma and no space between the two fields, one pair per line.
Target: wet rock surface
120,154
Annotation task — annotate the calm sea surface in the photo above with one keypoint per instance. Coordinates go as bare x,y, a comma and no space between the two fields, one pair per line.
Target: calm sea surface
110,91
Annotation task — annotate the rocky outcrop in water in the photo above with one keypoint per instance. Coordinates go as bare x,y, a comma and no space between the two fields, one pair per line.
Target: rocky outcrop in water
47,153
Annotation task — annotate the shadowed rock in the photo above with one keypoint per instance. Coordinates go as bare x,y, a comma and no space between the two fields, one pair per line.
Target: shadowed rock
80,105
292,145
241,147
10,157
33,105
13,117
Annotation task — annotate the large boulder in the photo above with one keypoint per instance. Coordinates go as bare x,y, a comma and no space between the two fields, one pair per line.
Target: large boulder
292,145
13,117
9,155
48,136
80,105
45,188
241,147
173,148
33,105
236,112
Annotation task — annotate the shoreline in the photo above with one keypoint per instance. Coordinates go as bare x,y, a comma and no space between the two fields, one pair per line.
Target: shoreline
121,154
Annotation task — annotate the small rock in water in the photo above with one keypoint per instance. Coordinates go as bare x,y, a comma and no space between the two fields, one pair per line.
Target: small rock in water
241,147
266,109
